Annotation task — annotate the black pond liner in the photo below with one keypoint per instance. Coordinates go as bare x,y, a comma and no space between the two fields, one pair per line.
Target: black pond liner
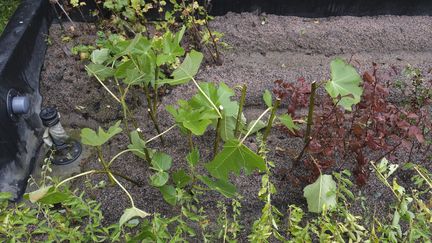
323,8
22,51
23,46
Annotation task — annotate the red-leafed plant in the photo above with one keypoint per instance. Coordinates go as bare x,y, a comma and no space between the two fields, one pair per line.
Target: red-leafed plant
360,125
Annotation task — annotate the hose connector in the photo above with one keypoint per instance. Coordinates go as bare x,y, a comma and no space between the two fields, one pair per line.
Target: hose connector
66,150
17,104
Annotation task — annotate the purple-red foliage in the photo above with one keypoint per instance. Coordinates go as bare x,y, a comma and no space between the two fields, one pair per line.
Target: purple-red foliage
375,124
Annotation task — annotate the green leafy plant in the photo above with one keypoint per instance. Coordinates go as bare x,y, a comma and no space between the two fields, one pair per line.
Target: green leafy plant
73,218
135,17
409,208
51,194
233,157
230,227
266,227
146,64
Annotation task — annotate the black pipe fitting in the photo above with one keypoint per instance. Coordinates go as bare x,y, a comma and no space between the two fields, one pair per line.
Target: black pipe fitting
66,150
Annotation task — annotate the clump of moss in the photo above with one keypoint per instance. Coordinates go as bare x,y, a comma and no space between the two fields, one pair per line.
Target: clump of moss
7,8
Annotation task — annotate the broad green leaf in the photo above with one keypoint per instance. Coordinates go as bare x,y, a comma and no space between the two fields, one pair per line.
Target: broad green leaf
137,143
38,194
171,48
198,113
140,70
195,120
137,46
169,194
47,195
159,179
147,68
130,213
54,197
227,127
386,168
344,84
186,70
197,127
100,71
267,97
382,166
179,35
234,157
141,45
193,157
260,125
181,178
224,187
100,56
288,122
123,68
134,77
90,137
220,96
161,161
320,193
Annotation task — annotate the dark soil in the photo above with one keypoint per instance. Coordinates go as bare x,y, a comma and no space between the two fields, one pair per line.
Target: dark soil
264,48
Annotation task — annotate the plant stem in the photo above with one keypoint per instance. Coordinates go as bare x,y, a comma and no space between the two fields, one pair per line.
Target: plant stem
308,137
270,121
125,117
134,122
217,138
123,105
384,180
64,11
156,92
197,35
240,110
202,92
127,178
124,189
156,125
151,112
212,38
425,177
104,164
310,112
190,140
76,176
103,85
123,152
254,124
161,134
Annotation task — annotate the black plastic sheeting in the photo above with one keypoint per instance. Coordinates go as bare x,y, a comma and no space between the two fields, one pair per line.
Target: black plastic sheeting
323,8
301,8
22,51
